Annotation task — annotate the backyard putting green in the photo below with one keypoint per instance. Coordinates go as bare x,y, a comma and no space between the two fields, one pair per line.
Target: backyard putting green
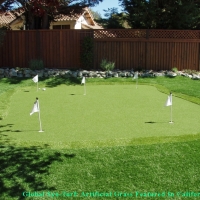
106,113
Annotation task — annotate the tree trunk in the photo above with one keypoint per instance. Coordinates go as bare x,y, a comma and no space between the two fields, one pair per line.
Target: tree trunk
45,22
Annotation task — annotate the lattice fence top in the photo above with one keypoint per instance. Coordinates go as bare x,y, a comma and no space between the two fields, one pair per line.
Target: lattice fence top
147,34
110,33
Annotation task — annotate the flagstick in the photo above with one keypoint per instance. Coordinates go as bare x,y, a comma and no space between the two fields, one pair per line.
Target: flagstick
171,116
37,86
40,119
84,89
136,83
171,111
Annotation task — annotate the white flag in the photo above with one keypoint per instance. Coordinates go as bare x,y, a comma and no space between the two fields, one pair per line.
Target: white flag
35,79
135,75
35,108
169,100
83,80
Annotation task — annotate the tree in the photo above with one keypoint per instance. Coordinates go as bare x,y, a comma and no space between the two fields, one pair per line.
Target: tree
113,20
39,13
95,14
162,14
2,34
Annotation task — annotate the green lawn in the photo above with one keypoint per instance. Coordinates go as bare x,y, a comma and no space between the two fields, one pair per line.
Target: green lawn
115,140
106,113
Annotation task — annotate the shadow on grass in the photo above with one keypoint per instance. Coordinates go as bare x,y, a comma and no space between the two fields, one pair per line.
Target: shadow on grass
24,168
8,130
53,82
14,80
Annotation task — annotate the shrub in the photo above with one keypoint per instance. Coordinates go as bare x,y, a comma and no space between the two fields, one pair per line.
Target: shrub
174,69
190,71
87,55
36,64
107,65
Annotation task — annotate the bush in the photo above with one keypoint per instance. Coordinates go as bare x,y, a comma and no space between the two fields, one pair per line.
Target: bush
36,64
87,54
190,71
174,69
107,65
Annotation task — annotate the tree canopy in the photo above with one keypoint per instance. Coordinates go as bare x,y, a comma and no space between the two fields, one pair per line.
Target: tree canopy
162,14
39,13
113,19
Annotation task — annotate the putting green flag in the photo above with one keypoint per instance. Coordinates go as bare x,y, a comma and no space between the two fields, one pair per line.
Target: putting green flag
135,75
35,107
83,80
169,103
35,79
136,78
169,100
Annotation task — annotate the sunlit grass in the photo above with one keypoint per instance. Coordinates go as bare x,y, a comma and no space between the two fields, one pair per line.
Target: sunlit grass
119,166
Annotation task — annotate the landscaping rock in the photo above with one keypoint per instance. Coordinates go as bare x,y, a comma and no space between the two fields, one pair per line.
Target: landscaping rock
40,74
98,75
102,73
157,74
13,73
109,73
20,75
171,74
92,74
68,74
74,74
115,74
27,76
6,72
79,74
26,71
145,75
50,72
128,74
62,73
1,71
195,77
189,75
85,72
122,74
45,74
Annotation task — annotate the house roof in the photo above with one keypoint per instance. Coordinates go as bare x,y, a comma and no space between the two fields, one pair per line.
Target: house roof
72,14
75,14
8,17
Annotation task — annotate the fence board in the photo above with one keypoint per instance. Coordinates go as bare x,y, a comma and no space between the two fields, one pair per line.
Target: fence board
128,48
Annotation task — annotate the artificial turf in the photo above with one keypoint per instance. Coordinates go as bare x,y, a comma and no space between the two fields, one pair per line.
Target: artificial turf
120,166
104,114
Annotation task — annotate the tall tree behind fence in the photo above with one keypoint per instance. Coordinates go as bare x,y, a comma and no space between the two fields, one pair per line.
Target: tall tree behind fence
128,48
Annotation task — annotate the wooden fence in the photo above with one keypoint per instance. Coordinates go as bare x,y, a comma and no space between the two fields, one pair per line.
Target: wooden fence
128,48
